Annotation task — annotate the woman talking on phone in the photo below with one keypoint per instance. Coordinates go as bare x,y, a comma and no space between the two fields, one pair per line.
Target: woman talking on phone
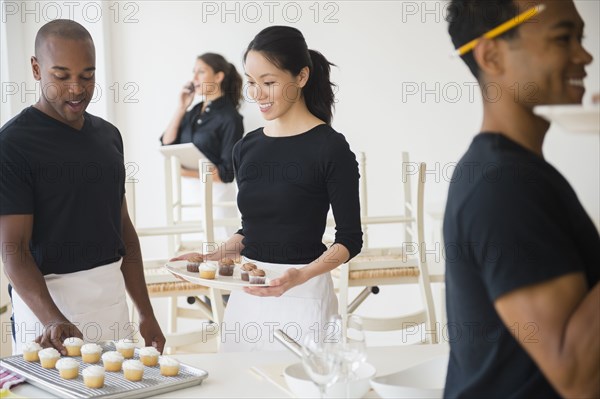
214,125
289,173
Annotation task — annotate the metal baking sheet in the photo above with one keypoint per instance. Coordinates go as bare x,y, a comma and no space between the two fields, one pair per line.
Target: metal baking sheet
115,384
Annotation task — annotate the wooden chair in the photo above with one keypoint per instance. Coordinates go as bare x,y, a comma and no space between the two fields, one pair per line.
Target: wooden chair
162,284
404,264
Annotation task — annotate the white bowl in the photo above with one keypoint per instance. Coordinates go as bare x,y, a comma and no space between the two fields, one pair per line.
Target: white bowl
301,386
425,380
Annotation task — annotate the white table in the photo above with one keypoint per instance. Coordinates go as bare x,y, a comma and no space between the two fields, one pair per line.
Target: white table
230,375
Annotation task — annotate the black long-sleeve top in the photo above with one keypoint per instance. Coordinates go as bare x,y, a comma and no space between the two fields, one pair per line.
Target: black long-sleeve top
214,132
286,185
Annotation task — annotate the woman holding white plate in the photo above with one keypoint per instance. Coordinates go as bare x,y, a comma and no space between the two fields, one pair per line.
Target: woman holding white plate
289,173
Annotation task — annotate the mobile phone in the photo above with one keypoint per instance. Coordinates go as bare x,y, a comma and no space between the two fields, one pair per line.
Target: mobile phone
191,87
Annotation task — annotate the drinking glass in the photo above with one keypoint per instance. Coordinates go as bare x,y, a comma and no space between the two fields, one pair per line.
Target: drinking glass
351,350
320,362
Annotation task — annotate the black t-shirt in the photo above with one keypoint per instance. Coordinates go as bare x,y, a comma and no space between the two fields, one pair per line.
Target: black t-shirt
286,185
511,220
214,133
71,181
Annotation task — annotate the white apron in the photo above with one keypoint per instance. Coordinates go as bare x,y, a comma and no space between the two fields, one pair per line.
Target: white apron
94,300
250,321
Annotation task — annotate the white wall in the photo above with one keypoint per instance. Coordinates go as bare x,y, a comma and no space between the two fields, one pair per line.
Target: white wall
383,49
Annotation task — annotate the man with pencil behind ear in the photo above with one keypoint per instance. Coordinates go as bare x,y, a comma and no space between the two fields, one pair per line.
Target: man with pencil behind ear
522,255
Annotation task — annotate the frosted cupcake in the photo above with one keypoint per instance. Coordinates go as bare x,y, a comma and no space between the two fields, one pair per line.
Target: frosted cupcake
149,356
125,347
48,357
68,368
30,351
90,353
169,367
93,377
133,370
73,346
207,271
112,361
193,263
226,267
257,276
245,269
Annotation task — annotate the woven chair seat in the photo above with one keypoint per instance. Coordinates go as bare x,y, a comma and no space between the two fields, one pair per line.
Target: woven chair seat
380,273
176,286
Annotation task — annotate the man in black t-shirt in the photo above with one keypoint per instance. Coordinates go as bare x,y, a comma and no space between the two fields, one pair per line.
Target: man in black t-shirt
522,255
69,248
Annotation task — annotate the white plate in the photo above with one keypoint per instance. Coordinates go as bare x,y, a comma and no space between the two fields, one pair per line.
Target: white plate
425,380
230,283
299,383
573,118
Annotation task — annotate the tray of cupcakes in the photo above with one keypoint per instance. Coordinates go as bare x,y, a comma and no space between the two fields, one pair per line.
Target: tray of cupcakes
105,370
224,274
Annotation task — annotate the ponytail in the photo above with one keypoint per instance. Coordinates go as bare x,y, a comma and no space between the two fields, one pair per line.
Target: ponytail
318,92
231,86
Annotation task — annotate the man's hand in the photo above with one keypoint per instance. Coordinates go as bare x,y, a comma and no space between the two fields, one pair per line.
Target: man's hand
55,333
152,334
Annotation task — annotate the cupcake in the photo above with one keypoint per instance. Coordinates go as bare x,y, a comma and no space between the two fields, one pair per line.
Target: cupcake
149,356
48,357
133,370
207,271
90,353
257,276
125,347
30,351
246,267
226,267
73,346
194,263
93,377
68,368
169,367
112,361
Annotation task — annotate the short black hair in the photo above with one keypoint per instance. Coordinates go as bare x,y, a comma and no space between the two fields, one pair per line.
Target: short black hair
470,19
63,28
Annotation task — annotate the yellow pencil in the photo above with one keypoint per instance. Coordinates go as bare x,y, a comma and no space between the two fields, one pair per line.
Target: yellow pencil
500,29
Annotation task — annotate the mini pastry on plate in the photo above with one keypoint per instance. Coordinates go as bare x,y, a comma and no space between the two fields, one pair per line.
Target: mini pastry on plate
208,271
90,353
169,367
112,361
48,357
30,351
67,368
125,347
73,346
93,376
245,269
257,276
193,263
149,356
226,267
133,370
